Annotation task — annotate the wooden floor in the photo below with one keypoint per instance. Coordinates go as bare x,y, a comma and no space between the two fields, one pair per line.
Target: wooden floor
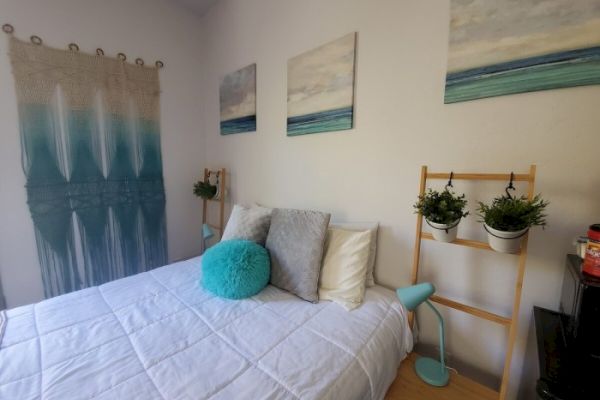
408,386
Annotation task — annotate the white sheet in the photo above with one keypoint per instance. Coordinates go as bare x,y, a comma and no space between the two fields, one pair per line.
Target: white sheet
158,335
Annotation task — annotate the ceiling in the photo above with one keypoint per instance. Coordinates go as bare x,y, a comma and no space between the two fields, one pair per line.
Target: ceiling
198,7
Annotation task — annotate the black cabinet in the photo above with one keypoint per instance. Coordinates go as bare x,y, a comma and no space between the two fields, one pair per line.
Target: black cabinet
565,373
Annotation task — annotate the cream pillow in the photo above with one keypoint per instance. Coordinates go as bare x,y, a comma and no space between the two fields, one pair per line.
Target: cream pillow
372,227
344,270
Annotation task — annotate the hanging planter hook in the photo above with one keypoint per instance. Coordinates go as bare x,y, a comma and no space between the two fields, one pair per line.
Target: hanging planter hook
449,184
510,186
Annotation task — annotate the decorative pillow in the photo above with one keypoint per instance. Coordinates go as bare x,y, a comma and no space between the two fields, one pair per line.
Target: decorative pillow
372,227
344,267
296,239
248,224
235,269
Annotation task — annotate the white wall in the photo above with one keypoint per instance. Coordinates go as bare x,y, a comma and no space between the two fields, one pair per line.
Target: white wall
371,172
151,29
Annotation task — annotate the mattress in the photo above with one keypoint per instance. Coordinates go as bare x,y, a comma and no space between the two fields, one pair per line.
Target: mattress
158,335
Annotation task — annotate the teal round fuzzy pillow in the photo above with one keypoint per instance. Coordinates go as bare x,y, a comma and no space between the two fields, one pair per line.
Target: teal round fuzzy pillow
235,269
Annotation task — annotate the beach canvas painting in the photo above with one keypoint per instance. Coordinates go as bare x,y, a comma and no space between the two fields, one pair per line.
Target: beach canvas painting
504,46
321,88
238,101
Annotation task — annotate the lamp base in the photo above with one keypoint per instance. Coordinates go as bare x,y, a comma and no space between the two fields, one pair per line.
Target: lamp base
432,371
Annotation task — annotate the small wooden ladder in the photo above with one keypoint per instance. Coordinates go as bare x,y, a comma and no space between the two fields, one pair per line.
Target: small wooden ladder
220,198
510,322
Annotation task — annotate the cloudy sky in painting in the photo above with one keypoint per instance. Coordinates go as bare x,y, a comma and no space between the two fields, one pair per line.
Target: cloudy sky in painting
484,32
238,93
322,79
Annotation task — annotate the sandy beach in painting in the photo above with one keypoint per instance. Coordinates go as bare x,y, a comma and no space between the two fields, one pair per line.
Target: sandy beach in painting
504,47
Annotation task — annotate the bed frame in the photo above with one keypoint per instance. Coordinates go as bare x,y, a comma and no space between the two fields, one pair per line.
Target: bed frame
511,321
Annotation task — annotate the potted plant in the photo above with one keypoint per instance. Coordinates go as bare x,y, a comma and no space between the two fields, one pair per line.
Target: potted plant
205,189
443,212
509,218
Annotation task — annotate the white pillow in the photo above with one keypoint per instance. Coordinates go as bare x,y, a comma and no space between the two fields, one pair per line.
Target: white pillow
372,227
344,270
248,224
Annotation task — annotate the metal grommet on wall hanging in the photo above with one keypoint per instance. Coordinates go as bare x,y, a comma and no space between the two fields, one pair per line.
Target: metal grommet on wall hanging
36,40
122,56
99,52
139,61
73,47
159,64
8,28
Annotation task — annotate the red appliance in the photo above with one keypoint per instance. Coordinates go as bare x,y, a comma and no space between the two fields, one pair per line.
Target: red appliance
591,263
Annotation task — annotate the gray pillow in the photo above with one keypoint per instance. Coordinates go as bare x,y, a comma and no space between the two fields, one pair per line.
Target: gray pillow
295,241
248,224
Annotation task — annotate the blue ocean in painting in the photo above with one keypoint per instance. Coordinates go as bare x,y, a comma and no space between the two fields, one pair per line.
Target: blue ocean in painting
239,125
551,71
324,121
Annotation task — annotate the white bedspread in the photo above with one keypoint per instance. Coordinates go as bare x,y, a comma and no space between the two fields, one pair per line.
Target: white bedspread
158,335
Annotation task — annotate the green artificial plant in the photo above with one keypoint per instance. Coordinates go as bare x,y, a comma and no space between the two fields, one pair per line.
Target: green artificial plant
441,207
511,214
205,190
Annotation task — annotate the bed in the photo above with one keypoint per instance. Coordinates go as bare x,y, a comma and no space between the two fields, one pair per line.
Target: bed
158,335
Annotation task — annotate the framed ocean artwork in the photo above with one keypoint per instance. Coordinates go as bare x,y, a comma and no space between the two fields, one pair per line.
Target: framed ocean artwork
504,47
237,93
321,88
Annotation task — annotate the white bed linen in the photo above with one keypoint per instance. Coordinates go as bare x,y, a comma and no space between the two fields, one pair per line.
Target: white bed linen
158,335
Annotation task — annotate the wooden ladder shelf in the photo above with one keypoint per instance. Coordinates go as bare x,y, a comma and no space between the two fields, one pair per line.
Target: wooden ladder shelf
510,322
220,199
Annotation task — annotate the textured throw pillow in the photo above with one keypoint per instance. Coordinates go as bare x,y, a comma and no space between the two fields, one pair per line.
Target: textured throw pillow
372,227
248,224
345,267
235,269
295,241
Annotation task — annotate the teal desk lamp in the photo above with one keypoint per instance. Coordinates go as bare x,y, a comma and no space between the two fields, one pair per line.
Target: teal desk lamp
207,232
431,371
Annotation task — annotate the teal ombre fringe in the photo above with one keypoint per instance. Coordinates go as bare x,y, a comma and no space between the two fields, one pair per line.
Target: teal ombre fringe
91,228
47,191
41,146
149,150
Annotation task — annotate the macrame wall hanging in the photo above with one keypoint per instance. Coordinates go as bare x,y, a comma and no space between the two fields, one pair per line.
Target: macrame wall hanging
91,154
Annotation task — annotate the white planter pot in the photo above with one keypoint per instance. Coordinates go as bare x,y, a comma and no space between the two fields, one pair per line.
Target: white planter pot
217,195
220,191
444,232
505,242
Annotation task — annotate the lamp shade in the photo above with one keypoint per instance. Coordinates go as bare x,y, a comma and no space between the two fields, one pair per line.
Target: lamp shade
207,232
414,295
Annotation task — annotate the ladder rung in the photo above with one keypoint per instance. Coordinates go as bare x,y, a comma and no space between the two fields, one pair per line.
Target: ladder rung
472,310
463,242
476,177
215,227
